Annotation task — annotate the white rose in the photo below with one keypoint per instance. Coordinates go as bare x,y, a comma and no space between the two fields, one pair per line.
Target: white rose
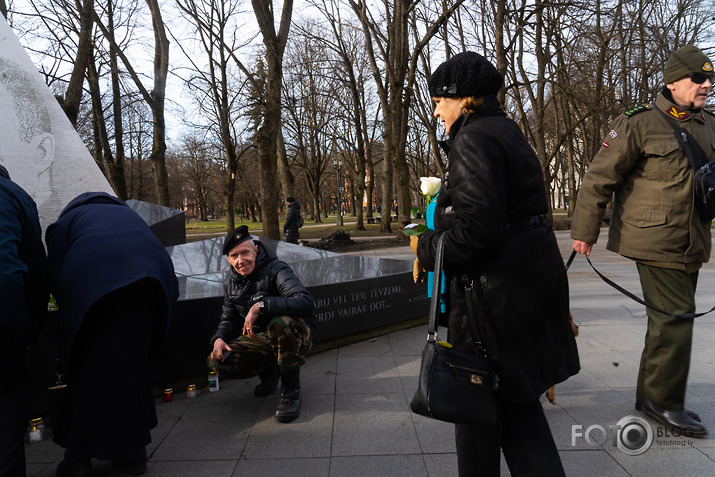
430,185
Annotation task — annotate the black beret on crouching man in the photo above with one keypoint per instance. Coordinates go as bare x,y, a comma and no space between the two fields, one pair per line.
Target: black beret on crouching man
492,211
267,322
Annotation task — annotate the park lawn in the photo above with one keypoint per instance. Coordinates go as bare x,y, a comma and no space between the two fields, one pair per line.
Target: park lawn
310,229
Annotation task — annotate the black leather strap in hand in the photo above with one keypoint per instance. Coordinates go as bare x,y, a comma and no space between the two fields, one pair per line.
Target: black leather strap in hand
637,298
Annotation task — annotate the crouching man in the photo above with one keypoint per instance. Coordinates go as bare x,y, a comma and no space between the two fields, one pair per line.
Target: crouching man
267,324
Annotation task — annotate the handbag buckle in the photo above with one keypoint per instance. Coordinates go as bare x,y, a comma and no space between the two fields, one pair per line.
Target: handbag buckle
475,379
432,337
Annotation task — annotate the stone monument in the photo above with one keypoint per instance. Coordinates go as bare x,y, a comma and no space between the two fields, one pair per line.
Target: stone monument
40,149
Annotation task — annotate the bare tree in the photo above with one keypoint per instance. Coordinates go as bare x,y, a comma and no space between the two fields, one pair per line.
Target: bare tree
267,136
212,21
395,81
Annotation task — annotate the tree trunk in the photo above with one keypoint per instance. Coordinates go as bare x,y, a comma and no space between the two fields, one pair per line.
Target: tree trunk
73,96
161,70
267,135
284,172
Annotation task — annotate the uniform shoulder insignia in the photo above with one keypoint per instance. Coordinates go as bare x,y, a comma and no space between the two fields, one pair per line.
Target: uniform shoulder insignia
638,109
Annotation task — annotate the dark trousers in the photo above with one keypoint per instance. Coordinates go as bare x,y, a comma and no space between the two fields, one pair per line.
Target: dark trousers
665,361
108,409
13,414
521,432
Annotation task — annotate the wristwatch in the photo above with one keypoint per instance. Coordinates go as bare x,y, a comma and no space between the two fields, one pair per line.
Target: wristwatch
261,307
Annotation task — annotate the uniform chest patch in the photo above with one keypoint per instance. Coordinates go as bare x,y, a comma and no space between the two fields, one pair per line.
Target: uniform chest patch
613,133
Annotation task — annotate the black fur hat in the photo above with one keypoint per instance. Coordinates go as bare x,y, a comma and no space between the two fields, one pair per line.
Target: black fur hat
464,75
239,235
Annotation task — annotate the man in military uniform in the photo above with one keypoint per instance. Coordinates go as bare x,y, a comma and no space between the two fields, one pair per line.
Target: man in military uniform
267,324
655,223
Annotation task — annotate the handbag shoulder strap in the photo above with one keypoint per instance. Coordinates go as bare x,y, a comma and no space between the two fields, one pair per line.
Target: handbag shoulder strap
436,287
468,283
695,154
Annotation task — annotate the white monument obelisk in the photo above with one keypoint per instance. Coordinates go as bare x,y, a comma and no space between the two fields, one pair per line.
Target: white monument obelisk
38,145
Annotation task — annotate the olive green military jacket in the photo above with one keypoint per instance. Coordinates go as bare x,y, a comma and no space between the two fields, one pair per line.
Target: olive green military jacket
642,167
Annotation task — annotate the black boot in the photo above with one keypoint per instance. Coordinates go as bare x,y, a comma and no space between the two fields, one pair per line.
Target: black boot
289,401
269,381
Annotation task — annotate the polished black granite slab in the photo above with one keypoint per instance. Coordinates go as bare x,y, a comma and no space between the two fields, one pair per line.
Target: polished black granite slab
167,224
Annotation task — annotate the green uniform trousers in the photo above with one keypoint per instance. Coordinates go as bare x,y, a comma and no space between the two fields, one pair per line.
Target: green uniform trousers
665,361
285,343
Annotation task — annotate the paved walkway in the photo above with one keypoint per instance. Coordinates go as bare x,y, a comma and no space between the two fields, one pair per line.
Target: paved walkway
356,421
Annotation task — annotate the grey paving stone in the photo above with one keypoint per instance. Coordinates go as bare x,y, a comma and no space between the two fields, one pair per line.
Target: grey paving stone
666,461
204,439
308,436
591,462
279,466
317,376
394,466
435,437
214,468
441,465
379,346
367,375
373,424
408,342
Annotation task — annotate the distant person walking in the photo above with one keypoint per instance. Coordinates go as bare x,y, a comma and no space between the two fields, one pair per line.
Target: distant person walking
293,222
24,292
115,285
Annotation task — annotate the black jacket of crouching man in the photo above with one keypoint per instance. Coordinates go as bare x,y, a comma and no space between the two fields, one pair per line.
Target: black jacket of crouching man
273,282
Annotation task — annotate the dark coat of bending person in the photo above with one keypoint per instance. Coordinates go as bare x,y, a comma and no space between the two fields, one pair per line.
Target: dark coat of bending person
24,292
492,210
115,286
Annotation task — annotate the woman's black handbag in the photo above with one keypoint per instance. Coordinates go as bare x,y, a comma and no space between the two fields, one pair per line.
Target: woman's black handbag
454,386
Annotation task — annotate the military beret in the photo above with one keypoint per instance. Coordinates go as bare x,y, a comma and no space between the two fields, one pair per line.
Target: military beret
686,60
239,235
464,75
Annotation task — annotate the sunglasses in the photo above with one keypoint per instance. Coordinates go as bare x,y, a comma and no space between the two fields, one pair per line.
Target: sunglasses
699,78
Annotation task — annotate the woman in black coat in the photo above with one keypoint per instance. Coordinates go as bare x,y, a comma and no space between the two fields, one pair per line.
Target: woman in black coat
115,285
492,210
293,222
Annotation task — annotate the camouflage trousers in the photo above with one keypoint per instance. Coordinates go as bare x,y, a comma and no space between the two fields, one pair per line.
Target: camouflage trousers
286,343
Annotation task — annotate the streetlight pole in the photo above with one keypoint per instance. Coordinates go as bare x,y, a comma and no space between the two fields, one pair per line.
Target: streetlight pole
337,165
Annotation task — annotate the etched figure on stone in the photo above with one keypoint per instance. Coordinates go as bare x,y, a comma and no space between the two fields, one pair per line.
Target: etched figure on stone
267,325
26,118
